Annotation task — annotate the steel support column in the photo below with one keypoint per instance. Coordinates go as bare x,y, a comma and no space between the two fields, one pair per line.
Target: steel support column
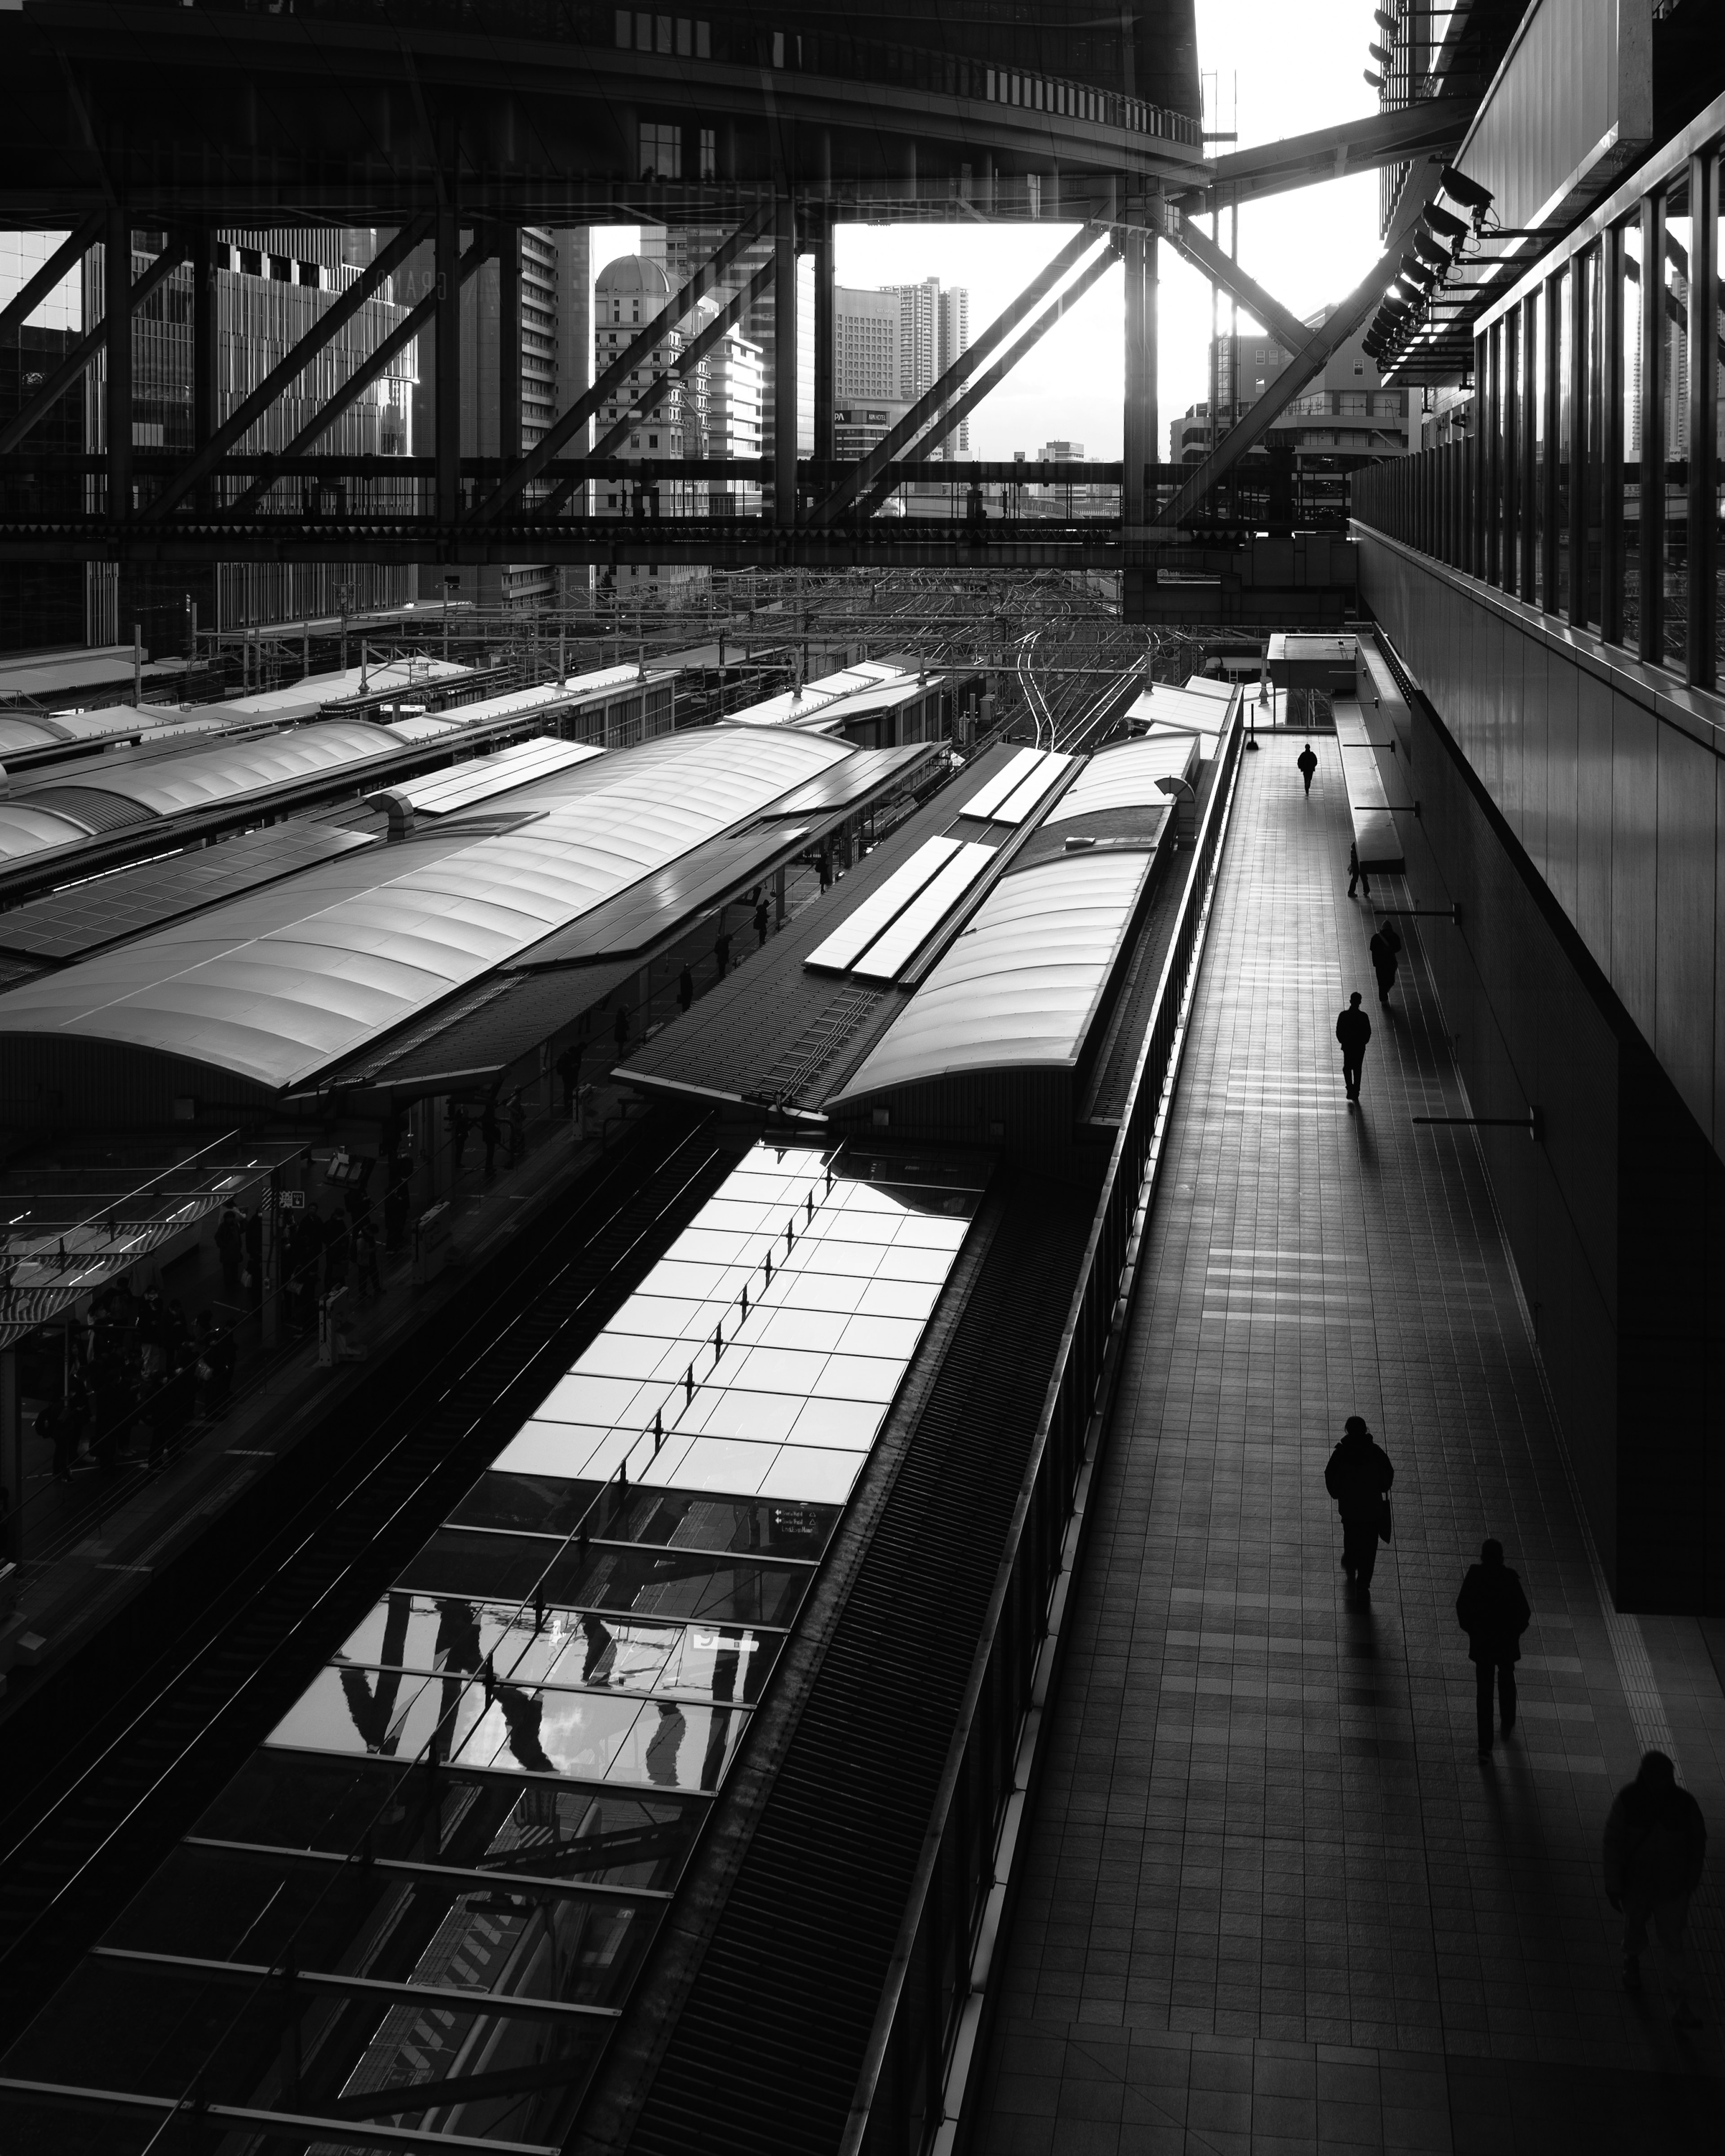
1549,297
509,343
117,383
825,339
446,425
1651,633
1153,355
204,334
1528,438
784,362
1701,659
1135,449
1579,391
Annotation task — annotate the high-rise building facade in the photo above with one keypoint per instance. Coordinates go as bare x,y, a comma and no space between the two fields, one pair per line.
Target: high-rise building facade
627,294
271,287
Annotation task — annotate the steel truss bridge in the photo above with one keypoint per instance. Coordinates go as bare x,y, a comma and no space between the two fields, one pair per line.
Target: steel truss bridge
452,125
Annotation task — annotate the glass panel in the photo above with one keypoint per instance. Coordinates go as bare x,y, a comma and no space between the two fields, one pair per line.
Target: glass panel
1629,479
272,2046
1508,450
1536,364
399,1927
545,1505
648,1583
1563,434
1590,467
1718,333
1675,569
484,1822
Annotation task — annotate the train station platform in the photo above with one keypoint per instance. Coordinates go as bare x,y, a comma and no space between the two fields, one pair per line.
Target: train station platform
1269,1898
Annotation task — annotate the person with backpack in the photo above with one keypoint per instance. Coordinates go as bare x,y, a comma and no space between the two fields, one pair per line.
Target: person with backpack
1655,1845
1358,1477
1493,1612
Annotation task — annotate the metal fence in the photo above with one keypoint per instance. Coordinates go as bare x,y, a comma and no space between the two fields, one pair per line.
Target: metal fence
926,2030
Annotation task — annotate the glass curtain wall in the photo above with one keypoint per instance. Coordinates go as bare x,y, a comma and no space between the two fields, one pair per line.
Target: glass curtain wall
1674,367
1632,432
1589,480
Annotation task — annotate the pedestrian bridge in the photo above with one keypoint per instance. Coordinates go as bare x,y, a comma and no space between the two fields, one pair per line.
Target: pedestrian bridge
1272,1899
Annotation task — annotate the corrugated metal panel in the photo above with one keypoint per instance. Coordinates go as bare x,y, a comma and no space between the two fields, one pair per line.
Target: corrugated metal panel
94,807
105,909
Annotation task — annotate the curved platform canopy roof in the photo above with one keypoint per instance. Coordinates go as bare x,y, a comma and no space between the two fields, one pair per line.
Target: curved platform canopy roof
1019,987
277,985
25,830
182,780
1124,777
305,698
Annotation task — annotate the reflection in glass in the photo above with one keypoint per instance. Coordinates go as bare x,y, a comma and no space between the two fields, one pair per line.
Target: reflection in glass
1563,432
1631,474
483,1822
1675,573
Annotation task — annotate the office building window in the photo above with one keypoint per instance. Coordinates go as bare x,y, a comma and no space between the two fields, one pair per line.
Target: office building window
661,150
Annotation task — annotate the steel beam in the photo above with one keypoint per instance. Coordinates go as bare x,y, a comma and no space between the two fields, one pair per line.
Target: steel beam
78,360
70,252
563,429
869,468
446,415
1202,252
1433,127
116,359
590,466
1306,365
784,362
399,338
509,343
282,378
1135,447
958,412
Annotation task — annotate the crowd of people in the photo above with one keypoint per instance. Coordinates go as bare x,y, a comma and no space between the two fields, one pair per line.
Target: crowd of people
138,1374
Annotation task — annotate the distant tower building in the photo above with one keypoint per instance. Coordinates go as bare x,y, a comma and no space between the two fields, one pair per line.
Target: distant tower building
627,295
933,329
865,330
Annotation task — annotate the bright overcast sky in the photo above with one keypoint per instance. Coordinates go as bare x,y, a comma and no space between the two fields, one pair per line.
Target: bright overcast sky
1299,64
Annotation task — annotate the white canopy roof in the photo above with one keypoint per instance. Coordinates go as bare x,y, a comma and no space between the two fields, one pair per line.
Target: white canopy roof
277,984
1124,777
171,784
1019,986
24,830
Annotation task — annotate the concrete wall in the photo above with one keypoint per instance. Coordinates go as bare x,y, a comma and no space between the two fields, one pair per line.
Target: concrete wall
1569,800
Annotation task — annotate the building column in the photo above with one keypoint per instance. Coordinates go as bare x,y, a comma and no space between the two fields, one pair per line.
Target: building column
1134,448
116,349
825,341
205,329
509,344
447,424
784,363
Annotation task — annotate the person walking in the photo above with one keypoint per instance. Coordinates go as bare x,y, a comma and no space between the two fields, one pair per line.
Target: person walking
762,918
1356,873
1359,1478
1385,948
1655,1845
1306,764
685,987
568,1069
1353,1029
721,951
459,1125
230,1247
1493,1612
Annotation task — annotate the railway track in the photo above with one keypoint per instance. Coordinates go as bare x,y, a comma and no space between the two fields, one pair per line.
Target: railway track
135,1754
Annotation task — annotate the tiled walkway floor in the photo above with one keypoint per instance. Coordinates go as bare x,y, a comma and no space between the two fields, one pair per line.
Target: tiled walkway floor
1272,1899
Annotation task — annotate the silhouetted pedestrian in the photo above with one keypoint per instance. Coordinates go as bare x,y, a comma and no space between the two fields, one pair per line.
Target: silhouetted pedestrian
1359,1478
1385,948
685,989
1306,763
1356,873
826,869
568,1069
1353,1029
516,1115
1493,1612
763,916
1655,1843
722,952
459,1125
230,1246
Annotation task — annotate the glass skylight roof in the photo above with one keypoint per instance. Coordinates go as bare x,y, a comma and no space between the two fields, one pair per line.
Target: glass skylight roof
421,1905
